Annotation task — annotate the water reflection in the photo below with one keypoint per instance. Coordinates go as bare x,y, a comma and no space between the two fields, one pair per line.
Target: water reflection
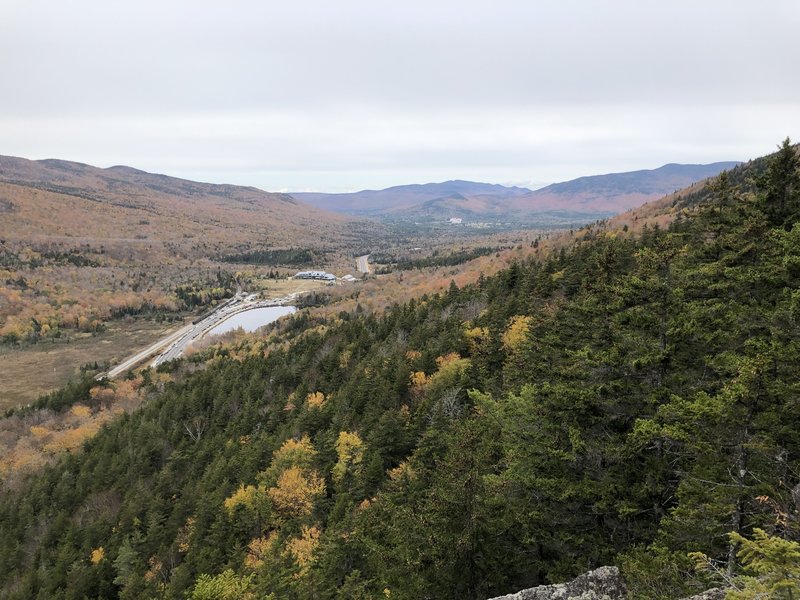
250,320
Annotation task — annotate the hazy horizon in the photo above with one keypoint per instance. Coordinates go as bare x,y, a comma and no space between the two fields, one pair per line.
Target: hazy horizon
354,95
535,187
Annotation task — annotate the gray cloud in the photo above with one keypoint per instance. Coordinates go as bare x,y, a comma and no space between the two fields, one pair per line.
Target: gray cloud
366,94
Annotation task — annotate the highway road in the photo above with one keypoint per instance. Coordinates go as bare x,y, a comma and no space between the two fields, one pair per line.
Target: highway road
134,360
176,342
362,264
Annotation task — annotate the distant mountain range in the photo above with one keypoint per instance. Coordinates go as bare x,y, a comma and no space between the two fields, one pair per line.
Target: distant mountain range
467,196
582,198
59,198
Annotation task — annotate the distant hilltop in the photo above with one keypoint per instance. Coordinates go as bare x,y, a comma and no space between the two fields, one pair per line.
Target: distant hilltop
57,197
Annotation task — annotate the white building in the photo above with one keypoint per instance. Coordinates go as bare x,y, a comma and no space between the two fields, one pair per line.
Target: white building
315,275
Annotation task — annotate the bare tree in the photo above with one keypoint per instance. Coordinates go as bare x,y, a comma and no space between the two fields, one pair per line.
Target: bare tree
195,427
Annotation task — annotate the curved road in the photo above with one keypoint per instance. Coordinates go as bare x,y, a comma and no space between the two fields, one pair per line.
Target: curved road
362,264
134,360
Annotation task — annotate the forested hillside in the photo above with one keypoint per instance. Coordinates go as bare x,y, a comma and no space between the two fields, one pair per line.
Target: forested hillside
627,401
82,246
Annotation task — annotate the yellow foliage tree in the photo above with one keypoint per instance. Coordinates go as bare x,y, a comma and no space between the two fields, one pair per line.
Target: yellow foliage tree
476,332
296,491
418,379
413,354
293,453
350,450
302,548
516,332
447,359
70,439
103,396
98,554
245,496
14,329
476,338
315,400
449,374
259,549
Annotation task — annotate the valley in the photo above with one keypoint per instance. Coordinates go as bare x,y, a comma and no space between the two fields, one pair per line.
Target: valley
457,377
399,301
85,251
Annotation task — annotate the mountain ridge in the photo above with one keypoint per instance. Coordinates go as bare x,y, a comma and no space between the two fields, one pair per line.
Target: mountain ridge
50,170
451,184
591,196
403,198
631,178
54,197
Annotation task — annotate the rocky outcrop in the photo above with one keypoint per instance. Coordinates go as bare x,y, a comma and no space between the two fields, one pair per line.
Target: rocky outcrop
604,583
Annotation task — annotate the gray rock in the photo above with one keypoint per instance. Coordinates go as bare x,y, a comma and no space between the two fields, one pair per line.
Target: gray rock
604,583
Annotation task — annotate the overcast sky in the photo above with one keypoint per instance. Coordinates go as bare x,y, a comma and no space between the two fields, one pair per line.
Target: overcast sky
338,95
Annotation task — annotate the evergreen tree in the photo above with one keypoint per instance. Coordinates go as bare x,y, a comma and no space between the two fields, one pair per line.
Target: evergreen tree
780,186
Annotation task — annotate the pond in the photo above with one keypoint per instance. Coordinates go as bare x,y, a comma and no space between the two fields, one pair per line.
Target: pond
250,320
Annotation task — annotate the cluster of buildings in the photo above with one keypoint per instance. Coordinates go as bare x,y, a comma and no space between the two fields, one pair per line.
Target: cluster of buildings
321,275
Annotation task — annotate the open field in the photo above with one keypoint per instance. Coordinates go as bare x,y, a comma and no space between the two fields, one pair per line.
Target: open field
273,288
41,368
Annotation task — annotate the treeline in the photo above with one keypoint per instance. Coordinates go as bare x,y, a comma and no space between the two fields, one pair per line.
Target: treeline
625,402
200,294
437,259
298,257
33,259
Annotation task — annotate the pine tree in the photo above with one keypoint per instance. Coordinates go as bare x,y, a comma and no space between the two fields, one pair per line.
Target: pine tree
780,186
